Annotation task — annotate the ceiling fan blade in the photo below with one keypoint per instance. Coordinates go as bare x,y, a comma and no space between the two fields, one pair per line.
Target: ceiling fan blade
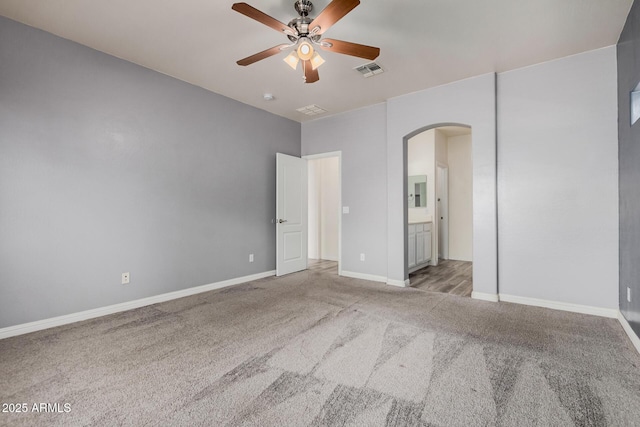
262,55
310,75
262,17
348,48
331,14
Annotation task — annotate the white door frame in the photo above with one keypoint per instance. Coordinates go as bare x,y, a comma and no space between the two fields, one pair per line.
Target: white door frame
442,208
337,154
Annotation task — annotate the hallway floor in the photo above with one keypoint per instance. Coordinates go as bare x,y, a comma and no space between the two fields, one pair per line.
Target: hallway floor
449,277
323,265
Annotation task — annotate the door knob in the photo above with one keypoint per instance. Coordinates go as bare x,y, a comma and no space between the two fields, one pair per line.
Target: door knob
280,221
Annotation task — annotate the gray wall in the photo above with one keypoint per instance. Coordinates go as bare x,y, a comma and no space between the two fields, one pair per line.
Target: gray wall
107,167
558,187
361,136
629,157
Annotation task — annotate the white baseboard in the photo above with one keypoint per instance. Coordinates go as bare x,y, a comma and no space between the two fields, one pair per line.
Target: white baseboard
484,296
399,283
363,276
564,306
375,278
39,325
630,332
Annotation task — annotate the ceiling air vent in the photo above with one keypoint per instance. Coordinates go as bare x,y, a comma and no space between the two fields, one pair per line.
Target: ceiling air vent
311,110
369,70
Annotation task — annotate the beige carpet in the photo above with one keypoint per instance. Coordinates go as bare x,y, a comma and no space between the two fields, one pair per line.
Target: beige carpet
315,349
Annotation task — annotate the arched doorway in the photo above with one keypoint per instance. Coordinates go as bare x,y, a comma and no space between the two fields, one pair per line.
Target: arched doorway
470,102
439,220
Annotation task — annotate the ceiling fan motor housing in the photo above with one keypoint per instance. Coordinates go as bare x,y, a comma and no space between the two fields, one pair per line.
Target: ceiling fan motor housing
301,24
303,7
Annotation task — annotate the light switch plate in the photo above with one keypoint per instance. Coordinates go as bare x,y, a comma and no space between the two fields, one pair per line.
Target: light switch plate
345,209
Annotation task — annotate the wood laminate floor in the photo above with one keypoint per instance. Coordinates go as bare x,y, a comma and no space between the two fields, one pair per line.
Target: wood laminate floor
449,276
322,265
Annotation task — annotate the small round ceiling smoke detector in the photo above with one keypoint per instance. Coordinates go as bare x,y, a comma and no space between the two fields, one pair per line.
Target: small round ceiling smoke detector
268,97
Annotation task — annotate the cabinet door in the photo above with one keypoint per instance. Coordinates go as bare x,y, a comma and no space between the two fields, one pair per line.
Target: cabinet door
427,245
412,250
420,259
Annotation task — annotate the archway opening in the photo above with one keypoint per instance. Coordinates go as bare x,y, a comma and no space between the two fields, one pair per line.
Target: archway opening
438,182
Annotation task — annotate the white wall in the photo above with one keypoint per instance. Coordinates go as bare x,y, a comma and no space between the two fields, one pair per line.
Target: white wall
421,161
329,208
323,208
460,198
313,189
470,102
361,136
420,152
440,147
558,183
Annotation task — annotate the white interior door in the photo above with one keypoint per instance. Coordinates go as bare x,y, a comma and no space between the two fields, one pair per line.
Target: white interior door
291,214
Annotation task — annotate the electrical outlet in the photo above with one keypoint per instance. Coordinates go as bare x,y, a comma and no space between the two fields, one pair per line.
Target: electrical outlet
250,257
361,257
125,278
628,294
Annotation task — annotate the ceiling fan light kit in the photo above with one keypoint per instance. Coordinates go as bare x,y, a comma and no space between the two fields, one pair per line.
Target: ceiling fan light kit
305,50
316,61
303,33
292,59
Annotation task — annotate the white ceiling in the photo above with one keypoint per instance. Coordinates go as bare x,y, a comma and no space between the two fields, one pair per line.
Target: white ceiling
424,43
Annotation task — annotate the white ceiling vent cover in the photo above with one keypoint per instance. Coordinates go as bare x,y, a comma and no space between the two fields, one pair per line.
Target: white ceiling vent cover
369,70
311,110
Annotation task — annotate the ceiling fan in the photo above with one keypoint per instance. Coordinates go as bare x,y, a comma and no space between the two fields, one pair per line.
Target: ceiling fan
304,33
